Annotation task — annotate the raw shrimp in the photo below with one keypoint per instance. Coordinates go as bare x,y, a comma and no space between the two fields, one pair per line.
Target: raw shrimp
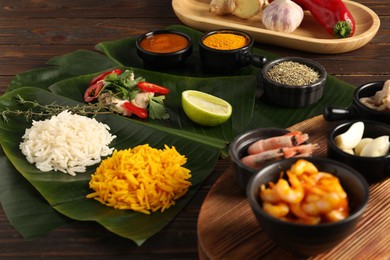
276,210
257,160
287,140
290,194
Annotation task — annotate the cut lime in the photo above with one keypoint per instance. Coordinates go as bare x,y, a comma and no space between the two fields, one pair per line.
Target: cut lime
205,109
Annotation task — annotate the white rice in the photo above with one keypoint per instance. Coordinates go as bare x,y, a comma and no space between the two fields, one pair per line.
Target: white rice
66,142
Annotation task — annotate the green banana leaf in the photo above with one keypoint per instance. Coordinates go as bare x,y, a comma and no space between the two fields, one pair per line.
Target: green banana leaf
66,77
67,194
239,91
69,65
25,207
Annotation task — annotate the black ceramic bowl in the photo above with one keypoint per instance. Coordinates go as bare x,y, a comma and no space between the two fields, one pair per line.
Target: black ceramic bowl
293,96
357,110
309,240
238,149
374,169
164,49
217,61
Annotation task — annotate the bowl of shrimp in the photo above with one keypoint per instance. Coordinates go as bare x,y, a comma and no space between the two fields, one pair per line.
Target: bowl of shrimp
253,149
307,205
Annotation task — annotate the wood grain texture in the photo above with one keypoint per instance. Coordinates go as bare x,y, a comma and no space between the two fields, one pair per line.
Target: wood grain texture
227,227
309,36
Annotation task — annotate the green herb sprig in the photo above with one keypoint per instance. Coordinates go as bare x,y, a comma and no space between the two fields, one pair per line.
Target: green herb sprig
34,110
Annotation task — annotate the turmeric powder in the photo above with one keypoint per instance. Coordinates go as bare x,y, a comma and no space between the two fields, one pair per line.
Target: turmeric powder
225,41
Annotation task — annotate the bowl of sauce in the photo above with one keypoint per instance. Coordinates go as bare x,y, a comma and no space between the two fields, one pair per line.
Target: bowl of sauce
163,49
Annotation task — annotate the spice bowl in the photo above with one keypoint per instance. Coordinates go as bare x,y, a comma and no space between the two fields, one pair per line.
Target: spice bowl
306,240
238,149
164,49
373,169
358,109
227,51
293,81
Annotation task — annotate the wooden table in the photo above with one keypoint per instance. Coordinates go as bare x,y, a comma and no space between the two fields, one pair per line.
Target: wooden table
31,32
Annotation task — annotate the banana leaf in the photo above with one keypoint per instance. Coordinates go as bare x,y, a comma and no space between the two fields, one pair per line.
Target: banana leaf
69,65
67,76
66,194
239,91
25,207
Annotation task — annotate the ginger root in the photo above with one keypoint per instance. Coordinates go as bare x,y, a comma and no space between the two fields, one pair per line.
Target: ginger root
244,9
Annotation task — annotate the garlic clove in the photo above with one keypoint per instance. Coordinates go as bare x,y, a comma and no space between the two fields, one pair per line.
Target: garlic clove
282,15
358,149
378,147
351,138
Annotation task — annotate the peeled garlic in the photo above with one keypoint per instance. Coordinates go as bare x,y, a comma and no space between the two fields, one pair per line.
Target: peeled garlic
351,138
378,147
283,16
358,149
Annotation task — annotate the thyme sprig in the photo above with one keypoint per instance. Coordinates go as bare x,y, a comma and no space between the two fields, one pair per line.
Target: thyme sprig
34,110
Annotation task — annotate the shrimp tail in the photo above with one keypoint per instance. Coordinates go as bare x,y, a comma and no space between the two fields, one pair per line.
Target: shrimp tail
288,140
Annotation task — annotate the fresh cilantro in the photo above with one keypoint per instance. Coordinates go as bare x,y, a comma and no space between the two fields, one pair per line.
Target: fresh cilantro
157,109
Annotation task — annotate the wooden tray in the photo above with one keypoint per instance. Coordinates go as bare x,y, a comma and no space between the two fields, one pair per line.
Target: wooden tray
227,228
310,36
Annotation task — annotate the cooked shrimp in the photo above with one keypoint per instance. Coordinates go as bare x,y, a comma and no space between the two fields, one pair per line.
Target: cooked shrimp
297,150
269,194
336,215
287,140
303,166
276,210
303,217
290,194
257,160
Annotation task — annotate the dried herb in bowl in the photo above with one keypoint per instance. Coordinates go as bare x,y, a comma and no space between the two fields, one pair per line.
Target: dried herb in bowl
293,73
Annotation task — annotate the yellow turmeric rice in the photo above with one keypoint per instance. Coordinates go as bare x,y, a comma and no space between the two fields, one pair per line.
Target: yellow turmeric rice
142,179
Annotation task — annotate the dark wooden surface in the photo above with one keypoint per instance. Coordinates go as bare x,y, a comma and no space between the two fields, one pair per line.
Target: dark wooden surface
33,31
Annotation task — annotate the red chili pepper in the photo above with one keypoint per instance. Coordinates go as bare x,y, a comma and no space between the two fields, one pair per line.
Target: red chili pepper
138,111
333,15
104,75
150,87
93,91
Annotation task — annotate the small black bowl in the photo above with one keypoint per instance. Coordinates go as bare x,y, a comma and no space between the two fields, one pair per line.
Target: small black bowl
238,149
160,49
289,95
357,110
309,240
374,169
216,61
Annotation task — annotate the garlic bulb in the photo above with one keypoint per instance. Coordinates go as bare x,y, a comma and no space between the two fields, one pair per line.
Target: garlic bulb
283,16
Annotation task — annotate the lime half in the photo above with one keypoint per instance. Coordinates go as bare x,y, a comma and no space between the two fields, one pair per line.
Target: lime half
205,109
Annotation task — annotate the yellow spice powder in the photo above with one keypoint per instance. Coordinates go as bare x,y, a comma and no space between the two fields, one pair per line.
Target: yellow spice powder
225,41
143,179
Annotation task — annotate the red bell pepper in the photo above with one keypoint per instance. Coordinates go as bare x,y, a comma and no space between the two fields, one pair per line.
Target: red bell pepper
104,75
333,15
150,87
138,111
93,91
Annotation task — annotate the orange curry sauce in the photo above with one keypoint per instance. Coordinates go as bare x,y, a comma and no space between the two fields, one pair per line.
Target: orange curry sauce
164,43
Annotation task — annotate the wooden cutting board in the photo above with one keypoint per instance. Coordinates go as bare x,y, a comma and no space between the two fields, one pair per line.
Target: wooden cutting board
227,228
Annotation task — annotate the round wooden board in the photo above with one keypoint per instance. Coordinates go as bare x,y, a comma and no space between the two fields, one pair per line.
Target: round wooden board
227,228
